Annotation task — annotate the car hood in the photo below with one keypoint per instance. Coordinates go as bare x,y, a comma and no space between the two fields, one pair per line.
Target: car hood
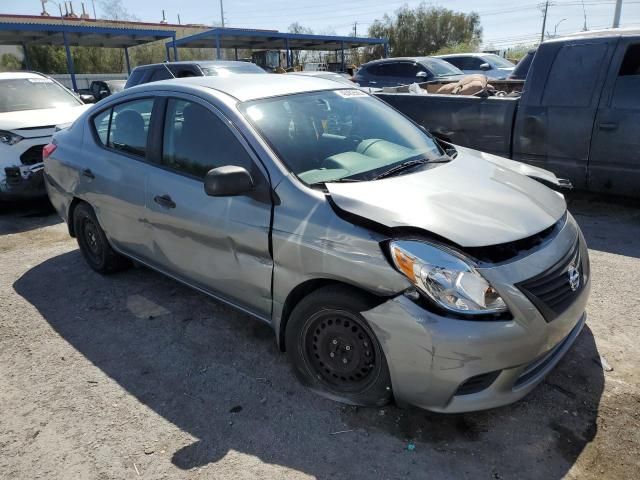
32,119
471,201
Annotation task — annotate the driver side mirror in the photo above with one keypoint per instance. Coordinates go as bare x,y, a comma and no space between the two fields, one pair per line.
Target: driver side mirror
421,74
227,181
87,98
485,66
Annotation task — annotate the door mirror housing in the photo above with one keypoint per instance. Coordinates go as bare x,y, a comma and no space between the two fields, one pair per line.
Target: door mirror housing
227,181
421,74
485,66
87,98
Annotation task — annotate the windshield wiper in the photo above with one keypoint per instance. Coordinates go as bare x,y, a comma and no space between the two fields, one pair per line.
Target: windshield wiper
337,180
408,165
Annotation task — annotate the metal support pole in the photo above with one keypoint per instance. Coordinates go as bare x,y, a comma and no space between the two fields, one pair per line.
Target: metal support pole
544,20
175,50
342,55
126,59
70,68
166,47
25,54
288,52
236,52
616,15
386,49
218,53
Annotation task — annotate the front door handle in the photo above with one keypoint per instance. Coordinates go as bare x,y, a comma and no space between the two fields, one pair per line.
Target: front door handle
164,201
608,126
86,172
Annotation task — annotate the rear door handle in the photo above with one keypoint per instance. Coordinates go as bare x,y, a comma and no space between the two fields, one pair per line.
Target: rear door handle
164,201
86,172
607,126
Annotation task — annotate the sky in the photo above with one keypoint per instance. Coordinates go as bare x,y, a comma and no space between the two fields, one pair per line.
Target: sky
504,23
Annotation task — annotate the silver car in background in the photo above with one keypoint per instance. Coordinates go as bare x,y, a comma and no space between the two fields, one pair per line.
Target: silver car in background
388,264
489,64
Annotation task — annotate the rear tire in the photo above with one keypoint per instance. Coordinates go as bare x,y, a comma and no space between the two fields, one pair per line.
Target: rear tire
93,242
333,350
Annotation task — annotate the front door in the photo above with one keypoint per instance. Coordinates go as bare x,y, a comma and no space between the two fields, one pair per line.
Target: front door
217,244
614,166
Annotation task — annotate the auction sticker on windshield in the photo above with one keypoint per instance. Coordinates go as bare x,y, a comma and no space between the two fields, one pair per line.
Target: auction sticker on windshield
351,93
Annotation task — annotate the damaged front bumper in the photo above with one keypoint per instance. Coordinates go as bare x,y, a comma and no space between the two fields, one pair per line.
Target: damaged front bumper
453,365
22,182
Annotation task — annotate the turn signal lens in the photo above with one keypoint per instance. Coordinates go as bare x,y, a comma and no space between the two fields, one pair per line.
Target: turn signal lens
48,150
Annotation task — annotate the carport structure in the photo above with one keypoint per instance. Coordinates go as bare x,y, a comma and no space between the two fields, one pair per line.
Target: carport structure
72,35
236,38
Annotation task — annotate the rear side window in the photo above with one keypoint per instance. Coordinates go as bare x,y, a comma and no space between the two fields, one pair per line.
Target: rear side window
125,127
627,86
101,125
573,76
161,73
196,140
136,77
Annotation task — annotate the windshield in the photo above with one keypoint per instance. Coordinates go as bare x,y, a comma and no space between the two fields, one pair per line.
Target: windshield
338,134
498,61
227,70
440,68
34,94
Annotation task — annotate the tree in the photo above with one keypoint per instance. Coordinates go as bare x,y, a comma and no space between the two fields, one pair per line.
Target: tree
9,62
297,56
425,30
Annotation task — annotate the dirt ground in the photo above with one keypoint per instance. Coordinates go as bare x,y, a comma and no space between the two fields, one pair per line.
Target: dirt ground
134,375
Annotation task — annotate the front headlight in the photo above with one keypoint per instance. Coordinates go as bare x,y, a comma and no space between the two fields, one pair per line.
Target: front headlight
9,138
445,278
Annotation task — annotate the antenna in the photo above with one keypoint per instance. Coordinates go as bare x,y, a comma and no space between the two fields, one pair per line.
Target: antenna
584,11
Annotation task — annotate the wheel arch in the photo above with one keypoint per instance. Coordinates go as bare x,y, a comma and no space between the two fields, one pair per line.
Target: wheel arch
309,286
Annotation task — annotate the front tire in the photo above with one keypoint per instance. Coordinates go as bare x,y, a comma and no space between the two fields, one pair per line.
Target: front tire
93,242
333,350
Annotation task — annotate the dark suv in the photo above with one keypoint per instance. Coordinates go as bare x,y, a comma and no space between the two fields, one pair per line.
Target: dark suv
391,72
204,68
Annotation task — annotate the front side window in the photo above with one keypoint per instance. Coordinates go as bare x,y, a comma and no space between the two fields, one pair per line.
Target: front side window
338,134
125,127
439,67
196,140
36,93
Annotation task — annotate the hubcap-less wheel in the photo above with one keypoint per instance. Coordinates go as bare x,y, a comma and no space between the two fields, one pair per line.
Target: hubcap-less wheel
340,351
92,239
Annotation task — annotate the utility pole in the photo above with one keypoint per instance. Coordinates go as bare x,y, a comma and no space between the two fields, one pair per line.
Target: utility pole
544,20
616,15
93,4
222,13
355,29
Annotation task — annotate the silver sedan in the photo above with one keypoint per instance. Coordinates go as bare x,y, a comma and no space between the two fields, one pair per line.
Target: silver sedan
389,264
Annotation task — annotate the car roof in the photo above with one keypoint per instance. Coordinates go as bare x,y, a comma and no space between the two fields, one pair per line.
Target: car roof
18,75
603,33
244,87
207,63
474,54
399,59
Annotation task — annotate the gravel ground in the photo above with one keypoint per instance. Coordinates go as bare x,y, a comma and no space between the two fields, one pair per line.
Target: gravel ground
133,376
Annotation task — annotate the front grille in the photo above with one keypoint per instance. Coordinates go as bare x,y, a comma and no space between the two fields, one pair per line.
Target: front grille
553,291
32,156
477,384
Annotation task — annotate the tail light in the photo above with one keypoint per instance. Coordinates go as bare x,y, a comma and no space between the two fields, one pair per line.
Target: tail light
48,150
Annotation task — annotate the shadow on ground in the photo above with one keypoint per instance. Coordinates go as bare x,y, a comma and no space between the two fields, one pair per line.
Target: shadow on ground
17,217
218,375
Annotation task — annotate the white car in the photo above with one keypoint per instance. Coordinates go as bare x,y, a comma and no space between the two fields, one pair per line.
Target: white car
31,106
489,64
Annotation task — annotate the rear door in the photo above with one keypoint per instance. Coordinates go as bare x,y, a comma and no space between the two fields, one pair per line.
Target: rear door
556,114
113,180
614,166
217,244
